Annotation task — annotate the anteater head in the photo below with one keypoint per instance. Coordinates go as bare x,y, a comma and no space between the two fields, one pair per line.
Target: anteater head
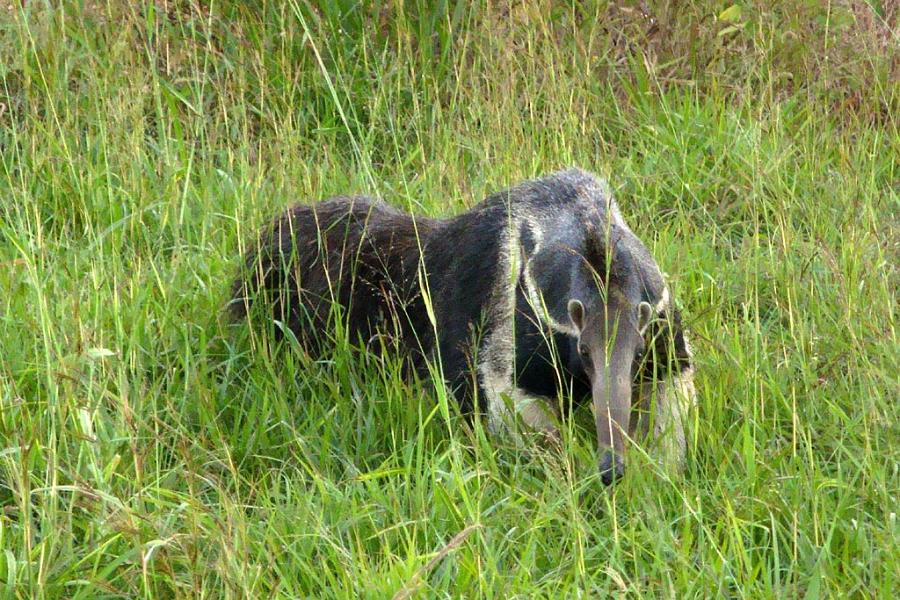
610,319
595,289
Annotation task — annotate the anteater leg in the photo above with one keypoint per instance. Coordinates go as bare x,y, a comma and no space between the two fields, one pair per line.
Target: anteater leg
666,412
642,403
537,414
507,403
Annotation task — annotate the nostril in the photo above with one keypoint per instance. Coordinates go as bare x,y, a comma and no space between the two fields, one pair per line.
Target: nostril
607,477
612,467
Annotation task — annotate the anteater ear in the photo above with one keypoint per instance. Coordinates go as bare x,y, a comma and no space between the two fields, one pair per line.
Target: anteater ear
644,316
576,313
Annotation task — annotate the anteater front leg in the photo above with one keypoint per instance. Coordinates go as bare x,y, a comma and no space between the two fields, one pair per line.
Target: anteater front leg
666,409
507,403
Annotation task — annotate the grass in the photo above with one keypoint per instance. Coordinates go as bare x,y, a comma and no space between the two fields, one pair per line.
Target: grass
148,448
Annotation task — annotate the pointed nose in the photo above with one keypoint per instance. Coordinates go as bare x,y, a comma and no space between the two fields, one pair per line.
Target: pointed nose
612,467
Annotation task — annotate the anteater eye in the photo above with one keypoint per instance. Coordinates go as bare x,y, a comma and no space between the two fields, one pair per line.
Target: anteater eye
583,353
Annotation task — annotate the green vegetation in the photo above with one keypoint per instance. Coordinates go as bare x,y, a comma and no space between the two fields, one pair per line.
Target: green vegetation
148,448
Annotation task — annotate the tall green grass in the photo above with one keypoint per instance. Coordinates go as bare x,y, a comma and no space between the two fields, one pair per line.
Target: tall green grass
148,448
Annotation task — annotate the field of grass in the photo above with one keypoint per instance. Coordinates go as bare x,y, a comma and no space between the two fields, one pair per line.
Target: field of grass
148,448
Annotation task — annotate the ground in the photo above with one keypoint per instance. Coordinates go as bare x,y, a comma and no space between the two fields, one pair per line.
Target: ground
149,448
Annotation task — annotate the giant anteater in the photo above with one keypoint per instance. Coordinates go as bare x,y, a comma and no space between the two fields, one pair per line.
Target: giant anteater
539,292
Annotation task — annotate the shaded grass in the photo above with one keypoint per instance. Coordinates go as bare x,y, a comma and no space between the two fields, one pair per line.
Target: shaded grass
149,448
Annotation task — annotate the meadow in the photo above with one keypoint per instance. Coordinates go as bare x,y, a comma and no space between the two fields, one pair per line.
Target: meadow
151,448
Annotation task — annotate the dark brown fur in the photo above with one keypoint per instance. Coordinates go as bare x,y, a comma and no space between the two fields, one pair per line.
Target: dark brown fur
351,252
445,289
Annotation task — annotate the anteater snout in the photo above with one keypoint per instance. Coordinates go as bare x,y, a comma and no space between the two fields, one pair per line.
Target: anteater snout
612,467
